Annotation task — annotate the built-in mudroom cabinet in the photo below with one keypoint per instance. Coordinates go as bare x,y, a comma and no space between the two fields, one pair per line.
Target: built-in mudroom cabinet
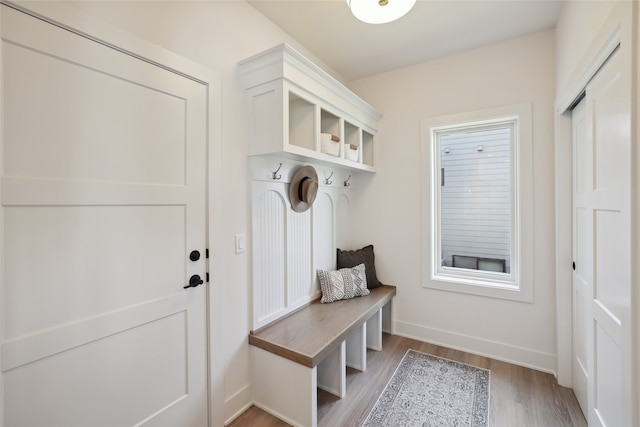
299,116
305,121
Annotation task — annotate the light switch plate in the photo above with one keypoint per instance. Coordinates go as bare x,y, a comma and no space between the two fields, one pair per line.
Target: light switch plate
241,243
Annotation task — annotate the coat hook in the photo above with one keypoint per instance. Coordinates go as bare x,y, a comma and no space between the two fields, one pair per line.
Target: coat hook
326,179
276,175
347,183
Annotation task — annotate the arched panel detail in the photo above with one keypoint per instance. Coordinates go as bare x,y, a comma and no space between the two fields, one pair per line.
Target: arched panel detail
269,253
289,247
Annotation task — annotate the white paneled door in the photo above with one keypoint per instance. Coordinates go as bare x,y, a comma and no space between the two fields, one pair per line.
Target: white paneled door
582,244
602,229
103,201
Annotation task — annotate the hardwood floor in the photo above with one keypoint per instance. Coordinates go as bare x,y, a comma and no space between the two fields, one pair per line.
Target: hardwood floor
519,396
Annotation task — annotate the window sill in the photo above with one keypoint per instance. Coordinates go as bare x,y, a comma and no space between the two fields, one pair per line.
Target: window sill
501,289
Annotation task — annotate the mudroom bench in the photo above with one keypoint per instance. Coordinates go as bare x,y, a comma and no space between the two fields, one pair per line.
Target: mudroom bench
311,348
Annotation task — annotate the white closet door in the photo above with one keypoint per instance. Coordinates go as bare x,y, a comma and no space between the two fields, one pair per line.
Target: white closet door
103,199
582,249
602,247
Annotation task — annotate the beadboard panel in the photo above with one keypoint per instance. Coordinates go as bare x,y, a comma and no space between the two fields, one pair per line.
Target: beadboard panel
289,247
269,246
324,226
299,278
343,228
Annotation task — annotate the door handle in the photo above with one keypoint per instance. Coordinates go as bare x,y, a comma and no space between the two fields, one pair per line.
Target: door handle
194,281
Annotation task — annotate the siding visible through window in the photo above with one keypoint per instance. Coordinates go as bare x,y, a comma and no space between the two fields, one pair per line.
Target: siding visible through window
476,197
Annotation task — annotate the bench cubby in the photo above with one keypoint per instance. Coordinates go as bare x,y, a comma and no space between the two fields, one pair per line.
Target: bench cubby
311,348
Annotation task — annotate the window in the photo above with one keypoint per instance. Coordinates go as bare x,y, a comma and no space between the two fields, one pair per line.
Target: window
477,233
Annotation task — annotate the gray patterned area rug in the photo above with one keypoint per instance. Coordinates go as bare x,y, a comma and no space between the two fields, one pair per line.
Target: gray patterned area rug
428,391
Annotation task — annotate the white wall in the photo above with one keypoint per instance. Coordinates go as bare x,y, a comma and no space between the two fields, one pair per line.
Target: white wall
216,34
388,209
576,28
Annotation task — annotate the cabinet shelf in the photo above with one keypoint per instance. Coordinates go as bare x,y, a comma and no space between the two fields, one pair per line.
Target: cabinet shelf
292,102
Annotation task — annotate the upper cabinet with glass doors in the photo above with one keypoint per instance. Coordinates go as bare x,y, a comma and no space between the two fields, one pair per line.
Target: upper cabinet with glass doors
298,110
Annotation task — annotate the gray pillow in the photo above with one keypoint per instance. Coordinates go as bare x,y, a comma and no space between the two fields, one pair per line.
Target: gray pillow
366,256
345,283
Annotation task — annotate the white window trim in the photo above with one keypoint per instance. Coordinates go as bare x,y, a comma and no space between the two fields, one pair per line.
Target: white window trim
518,285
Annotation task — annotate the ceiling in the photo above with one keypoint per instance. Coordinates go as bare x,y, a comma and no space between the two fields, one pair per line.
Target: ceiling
431,29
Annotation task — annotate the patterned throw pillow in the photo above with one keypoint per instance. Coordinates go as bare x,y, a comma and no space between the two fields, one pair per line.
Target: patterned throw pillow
345,283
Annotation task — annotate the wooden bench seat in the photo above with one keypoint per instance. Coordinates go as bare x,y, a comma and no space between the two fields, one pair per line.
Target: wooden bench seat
311,348
308,335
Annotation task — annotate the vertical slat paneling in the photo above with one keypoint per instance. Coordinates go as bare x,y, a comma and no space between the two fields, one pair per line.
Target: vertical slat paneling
323,232
299,257
269,240
343,221
289,247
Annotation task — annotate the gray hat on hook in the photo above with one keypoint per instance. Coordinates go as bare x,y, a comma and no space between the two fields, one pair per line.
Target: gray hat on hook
303,188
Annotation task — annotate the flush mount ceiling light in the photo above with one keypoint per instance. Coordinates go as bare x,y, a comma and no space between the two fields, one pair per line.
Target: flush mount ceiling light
379,11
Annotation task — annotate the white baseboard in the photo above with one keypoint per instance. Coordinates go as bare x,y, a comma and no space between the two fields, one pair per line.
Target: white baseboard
275,413
237,404
521,356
